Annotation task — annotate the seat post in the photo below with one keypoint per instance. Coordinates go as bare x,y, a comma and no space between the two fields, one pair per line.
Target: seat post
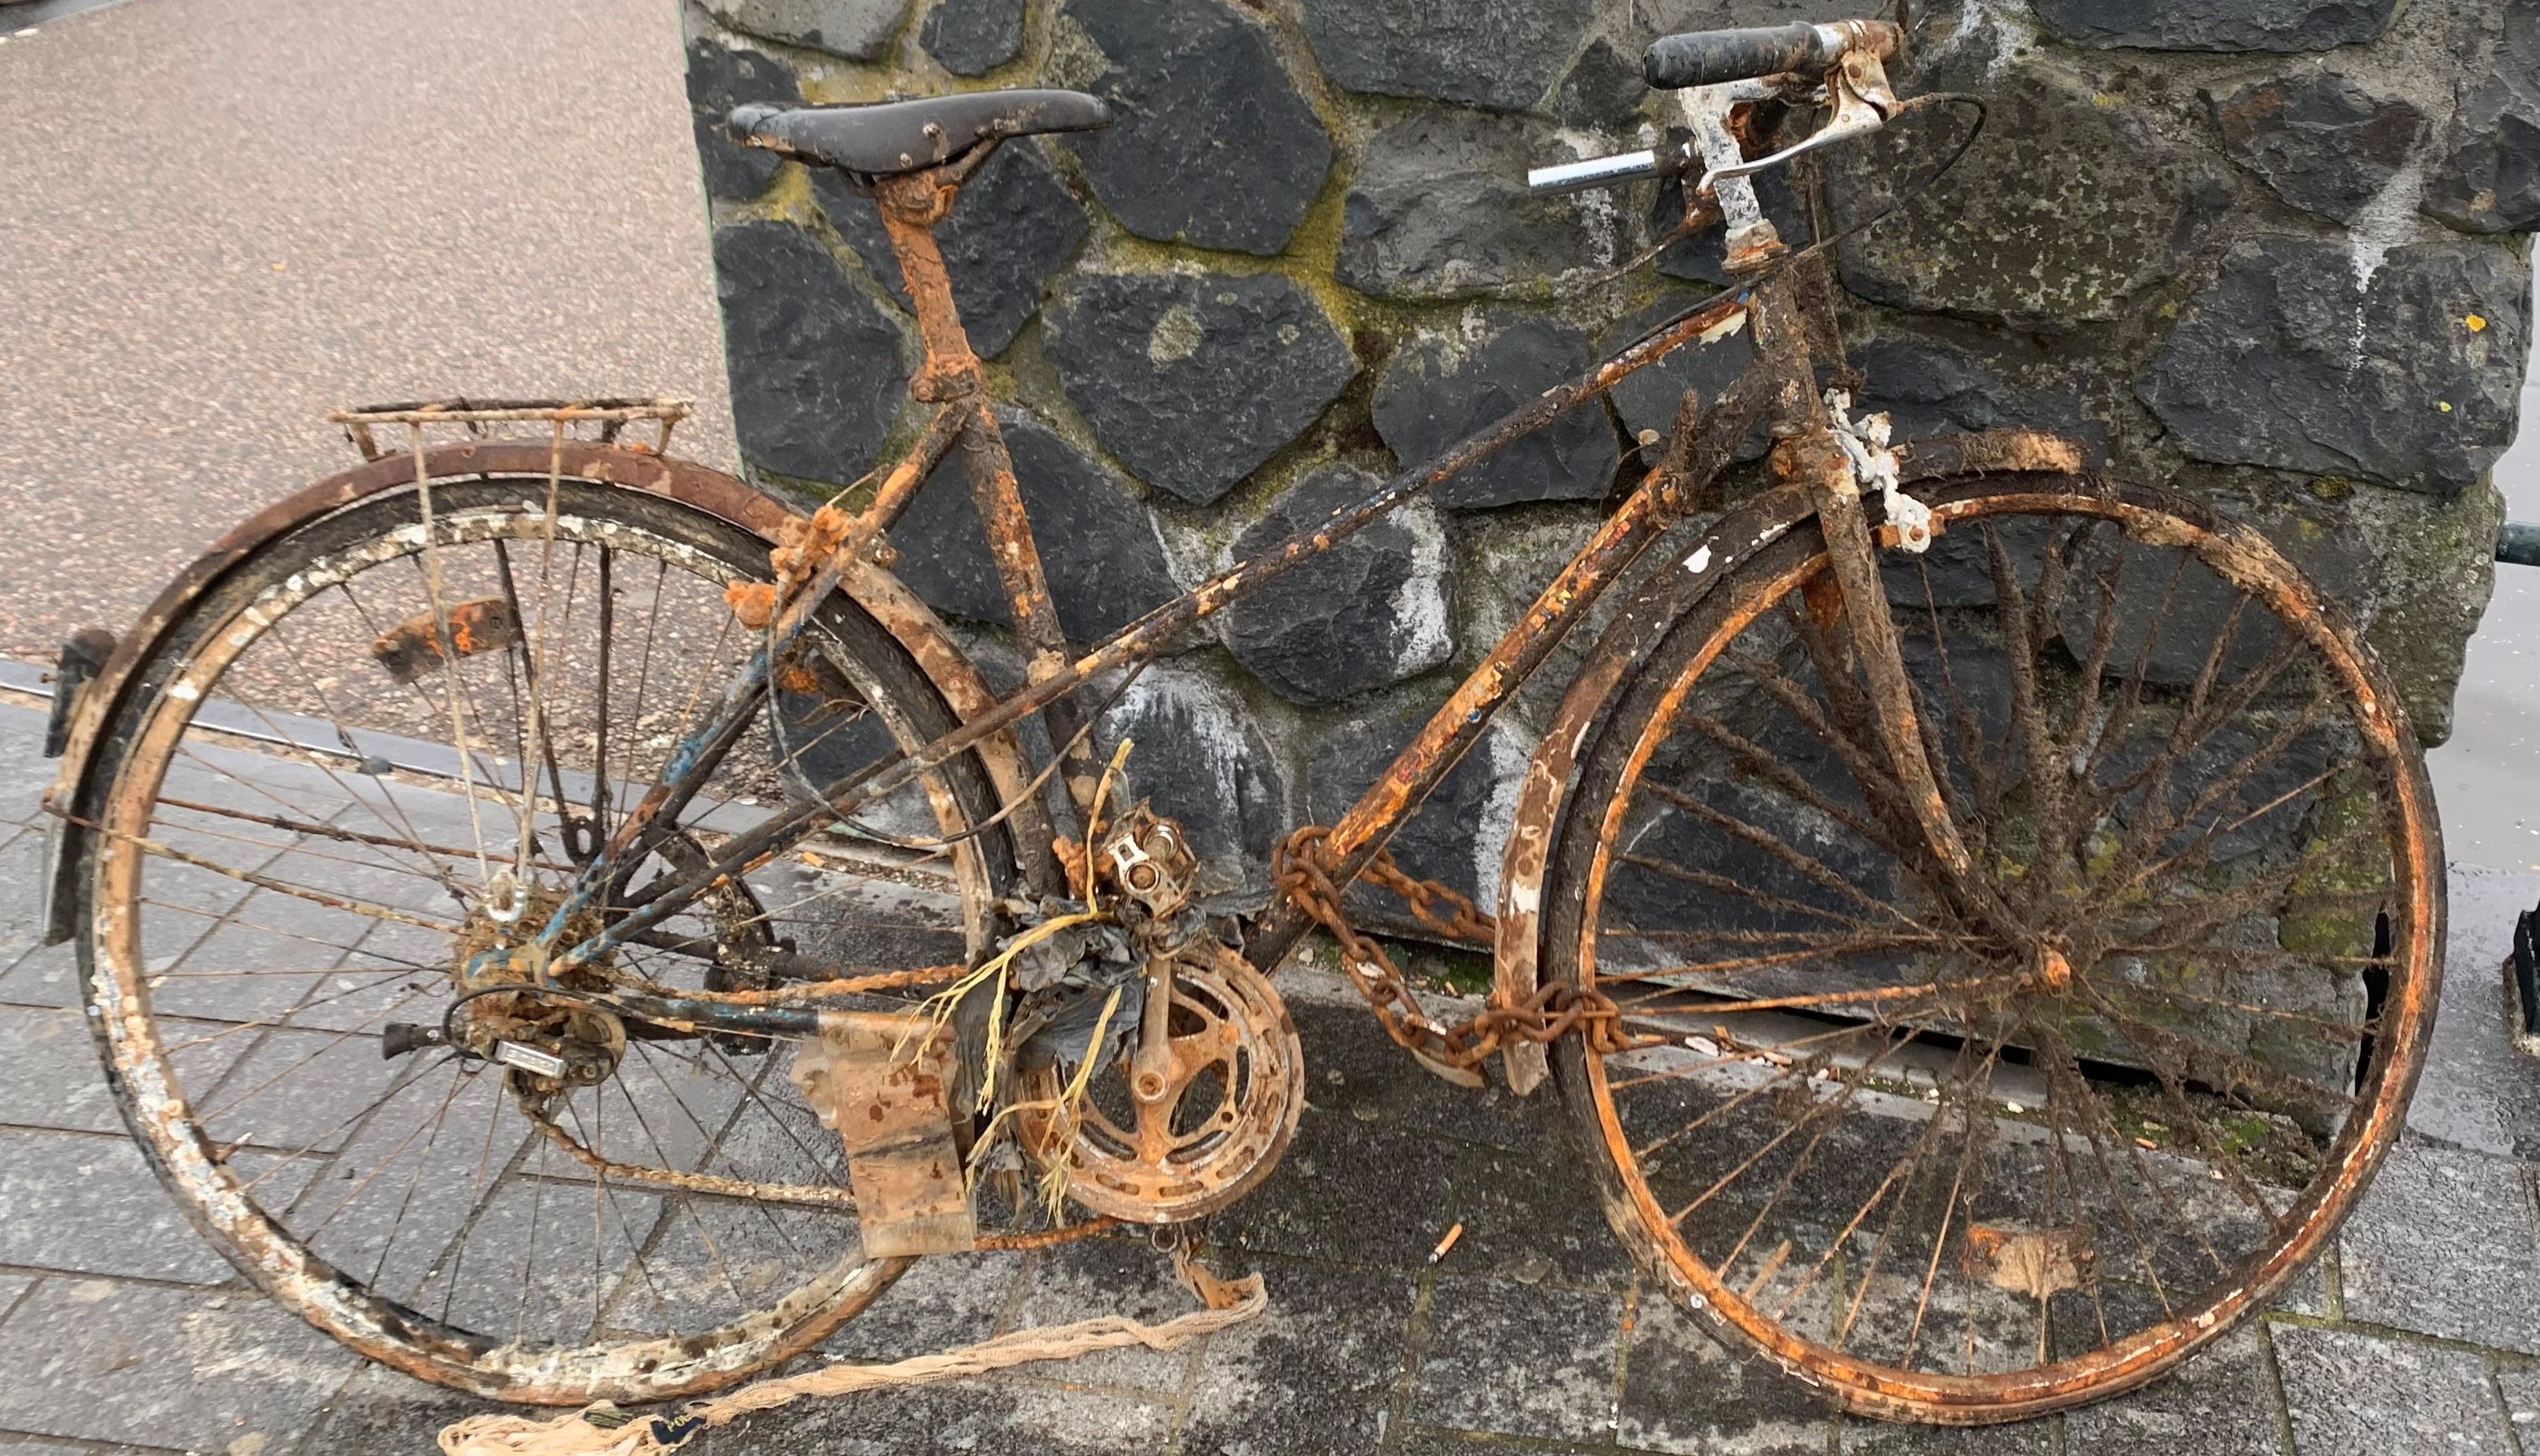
911,206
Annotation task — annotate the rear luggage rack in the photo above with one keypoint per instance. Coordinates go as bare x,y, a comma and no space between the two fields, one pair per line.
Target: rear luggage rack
609,415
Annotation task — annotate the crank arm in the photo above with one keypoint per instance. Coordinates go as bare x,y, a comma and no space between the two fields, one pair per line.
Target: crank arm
1150,1075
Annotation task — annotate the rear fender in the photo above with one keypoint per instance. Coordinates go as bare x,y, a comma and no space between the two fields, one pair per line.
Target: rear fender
908,619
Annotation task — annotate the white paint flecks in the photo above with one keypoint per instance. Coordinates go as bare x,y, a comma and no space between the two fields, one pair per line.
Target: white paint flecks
1420,602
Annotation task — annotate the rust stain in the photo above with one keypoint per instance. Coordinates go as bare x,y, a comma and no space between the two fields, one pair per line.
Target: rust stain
1989,452
418,644
886,1101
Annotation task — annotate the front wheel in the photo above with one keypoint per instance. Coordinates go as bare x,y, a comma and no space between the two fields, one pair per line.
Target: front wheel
1972,1148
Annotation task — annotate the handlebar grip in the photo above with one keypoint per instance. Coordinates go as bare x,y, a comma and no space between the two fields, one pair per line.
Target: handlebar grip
1710,57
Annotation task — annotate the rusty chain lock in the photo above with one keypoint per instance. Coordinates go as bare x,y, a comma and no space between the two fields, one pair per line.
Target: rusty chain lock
1302,867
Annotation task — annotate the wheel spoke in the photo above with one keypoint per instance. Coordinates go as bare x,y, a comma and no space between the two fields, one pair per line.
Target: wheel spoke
295,906
1918,1119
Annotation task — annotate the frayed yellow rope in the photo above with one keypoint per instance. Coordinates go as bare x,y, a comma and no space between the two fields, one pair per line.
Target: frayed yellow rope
1068,1098
506,1433
1093,818
1071,1107
938,1009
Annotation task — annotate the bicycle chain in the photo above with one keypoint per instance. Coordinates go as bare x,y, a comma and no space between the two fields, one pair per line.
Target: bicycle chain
1301,867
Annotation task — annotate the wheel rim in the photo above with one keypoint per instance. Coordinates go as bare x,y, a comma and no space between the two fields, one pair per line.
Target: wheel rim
2044,1252
753,1283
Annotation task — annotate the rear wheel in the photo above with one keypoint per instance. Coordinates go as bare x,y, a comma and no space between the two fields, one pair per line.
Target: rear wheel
309,819
1970,1149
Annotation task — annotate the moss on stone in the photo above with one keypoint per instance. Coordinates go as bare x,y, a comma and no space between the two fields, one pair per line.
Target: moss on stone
2437,570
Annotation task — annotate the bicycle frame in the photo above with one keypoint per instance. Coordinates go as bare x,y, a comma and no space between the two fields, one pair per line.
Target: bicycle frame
1786,319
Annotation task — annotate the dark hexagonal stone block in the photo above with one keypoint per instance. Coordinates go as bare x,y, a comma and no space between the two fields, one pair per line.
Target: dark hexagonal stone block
2490,183
1501,56
2322,142
1194,380
2341,545
1014,225
1438,389
2278,783
817,376
859,29
1604,91
1098,543
2286,361
1649,397
2489,177
1643,20
1202,761
1212,144
1368,613
2170,611
1458,835
1650,891
1928,387
2215,24
720,78
2043,232
972,38
1440,211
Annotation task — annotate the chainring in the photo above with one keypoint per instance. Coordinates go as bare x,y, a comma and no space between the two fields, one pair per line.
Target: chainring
1236,1088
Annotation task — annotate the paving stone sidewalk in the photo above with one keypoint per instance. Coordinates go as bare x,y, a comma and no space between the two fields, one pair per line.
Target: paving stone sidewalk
121,1331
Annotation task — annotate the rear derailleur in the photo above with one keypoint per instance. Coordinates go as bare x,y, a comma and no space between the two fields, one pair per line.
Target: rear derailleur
547,1044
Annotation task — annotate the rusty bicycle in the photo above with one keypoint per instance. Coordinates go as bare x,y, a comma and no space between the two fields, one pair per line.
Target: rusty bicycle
573,926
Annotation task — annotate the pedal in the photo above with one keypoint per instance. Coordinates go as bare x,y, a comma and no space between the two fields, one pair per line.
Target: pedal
885,1087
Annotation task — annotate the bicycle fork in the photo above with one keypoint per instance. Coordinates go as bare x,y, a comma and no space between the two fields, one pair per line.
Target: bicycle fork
1822,461
1811,453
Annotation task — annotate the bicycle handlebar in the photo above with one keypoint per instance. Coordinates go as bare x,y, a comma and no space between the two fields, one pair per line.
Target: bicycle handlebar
1696,59
1710,57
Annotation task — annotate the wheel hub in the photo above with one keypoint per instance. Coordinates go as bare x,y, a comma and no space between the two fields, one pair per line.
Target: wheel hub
548,1043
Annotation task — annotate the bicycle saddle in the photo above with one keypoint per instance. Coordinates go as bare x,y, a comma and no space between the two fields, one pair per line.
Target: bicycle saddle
887,138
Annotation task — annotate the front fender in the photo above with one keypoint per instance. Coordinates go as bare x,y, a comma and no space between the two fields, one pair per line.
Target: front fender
1653,607
906,618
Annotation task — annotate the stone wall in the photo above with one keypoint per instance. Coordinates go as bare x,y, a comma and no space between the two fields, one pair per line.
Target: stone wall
2272,252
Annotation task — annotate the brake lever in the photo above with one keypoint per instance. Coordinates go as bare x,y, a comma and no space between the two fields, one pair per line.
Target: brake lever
1863,103
1857,87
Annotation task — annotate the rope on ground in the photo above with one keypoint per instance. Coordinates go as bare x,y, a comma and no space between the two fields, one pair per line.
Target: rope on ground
603,1430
